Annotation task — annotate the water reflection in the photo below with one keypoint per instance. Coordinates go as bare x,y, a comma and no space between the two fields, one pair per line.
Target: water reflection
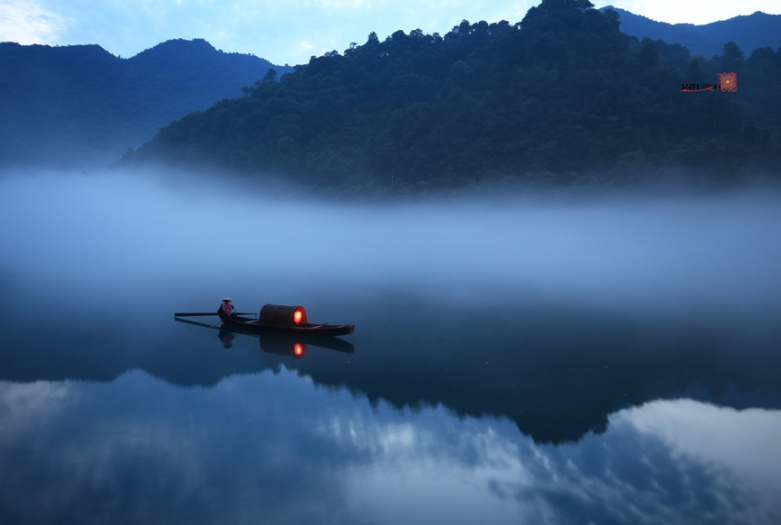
557,374
599,362
272,448
287,345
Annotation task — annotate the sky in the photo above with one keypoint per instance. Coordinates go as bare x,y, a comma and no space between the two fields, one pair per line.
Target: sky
294,30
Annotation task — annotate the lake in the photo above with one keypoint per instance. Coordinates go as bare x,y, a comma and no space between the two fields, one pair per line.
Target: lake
549,358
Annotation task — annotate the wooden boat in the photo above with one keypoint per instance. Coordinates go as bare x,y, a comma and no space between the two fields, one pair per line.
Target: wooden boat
286,320
278,343
312,330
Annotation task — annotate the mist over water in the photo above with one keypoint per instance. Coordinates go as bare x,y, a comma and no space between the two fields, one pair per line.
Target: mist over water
193,240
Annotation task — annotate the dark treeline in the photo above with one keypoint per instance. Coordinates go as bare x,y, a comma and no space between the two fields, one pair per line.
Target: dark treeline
561,97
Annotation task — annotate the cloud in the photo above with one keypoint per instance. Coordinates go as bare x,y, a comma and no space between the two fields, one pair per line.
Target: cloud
346,4
302,46
27,23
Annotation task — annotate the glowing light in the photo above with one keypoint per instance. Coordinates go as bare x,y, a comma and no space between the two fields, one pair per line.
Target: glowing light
297,315
298,350
728,82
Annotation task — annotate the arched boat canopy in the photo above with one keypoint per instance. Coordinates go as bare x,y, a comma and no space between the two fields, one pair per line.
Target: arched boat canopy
279,315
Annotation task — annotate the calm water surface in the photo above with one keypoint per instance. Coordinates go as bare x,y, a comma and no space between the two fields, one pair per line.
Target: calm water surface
514,361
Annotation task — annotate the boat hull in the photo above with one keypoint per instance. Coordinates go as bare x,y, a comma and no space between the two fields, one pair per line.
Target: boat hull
311,330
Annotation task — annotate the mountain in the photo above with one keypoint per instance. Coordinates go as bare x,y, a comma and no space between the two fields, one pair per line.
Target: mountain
80,104
562,97
749,32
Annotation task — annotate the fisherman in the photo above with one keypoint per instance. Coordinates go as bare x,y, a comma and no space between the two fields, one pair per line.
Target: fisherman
226,309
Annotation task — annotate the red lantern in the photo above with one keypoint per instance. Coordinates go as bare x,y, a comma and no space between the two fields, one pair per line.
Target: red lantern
278,315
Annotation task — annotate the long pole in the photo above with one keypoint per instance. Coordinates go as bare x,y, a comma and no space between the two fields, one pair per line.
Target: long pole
202,314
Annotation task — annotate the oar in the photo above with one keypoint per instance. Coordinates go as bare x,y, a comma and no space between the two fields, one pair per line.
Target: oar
192,322
201,314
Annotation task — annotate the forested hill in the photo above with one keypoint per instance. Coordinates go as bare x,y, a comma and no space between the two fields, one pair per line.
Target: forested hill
561,96
72,104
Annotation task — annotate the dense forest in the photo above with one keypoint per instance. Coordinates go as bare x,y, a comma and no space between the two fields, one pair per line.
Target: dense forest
561,97
72,104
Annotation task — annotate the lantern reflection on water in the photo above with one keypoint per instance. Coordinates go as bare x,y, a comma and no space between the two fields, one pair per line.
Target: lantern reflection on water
282,345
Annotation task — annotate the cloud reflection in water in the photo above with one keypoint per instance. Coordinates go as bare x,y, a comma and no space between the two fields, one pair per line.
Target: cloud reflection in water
275,448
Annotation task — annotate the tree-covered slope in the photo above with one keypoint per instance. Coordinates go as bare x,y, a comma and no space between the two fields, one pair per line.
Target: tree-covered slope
561,94
72,103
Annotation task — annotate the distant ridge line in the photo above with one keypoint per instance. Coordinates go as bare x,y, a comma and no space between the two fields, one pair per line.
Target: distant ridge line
757,30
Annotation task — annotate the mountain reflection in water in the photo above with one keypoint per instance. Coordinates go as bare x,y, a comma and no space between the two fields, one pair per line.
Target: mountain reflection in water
605,363
557,374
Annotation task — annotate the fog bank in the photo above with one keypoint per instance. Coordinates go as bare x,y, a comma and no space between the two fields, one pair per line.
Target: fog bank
106,235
